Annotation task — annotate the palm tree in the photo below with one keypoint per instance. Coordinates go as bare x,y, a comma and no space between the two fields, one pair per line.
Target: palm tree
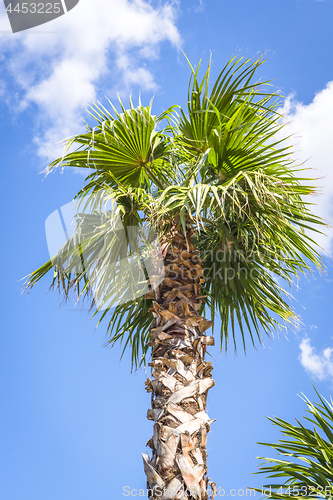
233,221
306,470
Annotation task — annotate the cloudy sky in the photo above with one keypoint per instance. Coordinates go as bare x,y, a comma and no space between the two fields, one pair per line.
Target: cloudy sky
72,416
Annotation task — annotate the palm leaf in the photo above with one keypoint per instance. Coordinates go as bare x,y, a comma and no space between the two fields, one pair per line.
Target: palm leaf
308,468
125,147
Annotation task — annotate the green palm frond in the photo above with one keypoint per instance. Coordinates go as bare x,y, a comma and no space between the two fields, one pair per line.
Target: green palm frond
124,148
223,165
307,470
129,324
234,101
250,232
101,238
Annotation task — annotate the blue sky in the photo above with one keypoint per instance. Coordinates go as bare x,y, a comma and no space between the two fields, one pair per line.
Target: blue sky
73,418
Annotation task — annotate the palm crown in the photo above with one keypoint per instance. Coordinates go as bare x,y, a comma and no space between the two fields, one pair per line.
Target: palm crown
223,169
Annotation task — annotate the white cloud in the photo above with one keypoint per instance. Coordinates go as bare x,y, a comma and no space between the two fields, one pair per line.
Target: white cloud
99,47
320,365
312,126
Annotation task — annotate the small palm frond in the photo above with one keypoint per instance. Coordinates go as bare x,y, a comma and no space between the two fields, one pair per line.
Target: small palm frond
129,323
307,470
123,149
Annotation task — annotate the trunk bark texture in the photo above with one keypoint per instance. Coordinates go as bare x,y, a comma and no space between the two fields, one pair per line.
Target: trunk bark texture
177,469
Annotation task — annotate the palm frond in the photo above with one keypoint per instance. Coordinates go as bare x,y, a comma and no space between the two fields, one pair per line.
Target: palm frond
124,148
307,470
250,233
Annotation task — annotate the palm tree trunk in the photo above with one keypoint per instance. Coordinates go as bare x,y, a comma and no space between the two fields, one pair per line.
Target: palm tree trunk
177,469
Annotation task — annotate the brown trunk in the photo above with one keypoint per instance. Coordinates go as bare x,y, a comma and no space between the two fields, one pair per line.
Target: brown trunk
177,469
